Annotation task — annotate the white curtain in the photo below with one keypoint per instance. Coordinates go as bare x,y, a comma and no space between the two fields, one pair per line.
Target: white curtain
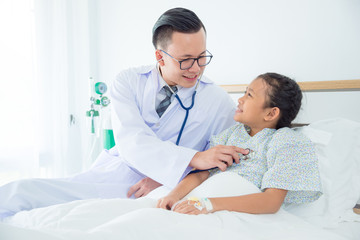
63,54
45,62
18,148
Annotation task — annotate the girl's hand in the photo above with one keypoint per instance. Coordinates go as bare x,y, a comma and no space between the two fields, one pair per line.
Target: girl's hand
190,207
167,202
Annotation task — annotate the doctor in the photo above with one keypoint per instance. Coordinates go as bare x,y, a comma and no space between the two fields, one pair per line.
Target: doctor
146,140
157,141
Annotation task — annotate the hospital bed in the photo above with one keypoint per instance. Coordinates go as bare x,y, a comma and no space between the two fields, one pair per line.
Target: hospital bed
333,216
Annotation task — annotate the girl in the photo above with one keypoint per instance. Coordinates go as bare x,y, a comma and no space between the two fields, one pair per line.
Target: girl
280,162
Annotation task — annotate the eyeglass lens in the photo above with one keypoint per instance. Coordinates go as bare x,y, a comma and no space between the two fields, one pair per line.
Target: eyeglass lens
202,61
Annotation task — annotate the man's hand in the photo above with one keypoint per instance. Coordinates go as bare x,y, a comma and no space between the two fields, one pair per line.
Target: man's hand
219,156
143,187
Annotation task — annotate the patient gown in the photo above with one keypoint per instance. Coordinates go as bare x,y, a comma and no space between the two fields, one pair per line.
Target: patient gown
282,159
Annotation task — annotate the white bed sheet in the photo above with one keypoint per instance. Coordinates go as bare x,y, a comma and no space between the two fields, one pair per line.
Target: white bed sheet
78,220
137,219
349,230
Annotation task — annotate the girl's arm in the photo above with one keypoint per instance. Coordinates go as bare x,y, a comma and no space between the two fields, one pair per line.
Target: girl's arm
268,201
190,182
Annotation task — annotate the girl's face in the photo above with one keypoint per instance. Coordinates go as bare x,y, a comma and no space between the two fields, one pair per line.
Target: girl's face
251,110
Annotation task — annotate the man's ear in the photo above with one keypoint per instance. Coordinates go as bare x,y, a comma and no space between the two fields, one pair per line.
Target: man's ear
159,57
272,114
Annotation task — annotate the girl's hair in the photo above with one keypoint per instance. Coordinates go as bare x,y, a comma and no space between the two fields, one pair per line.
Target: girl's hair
176,19
284,93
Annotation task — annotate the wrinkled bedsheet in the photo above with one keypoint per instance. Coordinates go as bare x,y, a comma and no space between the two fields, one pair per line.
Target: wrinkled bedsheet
139,219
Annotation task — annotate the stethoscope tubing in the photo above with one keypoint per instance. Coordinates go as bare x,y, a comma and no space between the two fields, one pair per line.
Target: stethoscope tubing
187,109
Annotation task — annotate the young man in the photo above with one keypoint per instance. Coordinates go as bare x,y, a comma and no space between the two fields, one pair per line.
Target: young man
146,127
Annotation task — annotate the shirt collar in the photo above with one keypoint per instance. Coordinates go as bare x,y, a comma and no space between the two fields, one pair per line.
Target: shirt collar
162,82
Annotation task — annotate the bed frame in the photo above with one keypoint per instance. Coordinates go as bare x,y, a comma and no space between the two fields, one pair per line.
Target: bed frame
318,86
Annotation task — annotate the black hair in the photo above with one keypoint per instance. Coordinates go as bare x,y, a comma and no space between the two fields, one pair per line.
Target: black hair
285,94
176,19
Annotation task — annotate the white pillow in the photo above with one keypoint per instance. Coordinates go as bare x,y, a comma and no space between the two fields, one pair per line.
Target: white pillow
337,144
224,184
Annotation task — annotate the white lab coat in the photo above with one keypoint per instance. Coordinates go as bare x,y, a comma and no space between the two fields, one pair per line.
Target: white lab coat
145,143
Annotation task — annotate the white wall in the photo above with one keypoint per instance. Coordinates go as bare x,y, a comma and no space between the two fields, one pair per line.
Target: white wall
308,40
321,105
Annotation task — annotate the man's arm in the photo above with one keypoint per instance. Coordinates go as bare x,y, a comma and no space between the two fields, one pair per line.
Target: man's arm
163,161
202,160
136,141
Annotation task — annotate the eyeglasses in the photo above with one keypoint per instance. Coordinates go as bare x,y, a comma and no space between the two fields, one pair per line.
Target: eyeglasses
189,62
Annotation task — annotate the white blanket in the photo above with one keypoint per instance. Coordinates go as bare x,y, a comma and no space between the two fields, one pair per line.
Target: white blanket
138,219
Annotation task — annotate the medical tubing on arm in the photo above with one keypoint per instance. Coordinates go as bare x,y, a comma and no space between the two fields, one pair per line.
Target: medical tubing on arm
207,204
186,115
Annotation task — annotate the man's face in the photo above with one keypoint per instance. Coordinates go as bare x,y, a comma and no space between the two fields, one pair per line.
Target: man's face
181,47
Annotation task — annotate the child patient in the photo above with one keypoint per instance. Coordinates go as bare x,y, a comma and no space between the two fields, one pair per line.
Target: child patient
281,162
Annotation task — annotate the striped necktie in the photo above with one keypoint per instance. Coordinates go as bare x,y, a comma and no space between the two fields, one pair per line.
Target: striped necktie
164,104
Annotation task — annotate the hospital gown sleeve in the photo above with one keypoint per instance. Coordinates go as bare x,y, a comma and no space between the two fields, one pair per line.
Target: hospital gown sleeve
293,166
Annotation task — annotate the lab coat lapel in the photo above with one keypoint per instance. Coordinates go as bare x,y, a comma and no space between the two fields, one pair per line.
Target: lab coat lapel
151,90
148,100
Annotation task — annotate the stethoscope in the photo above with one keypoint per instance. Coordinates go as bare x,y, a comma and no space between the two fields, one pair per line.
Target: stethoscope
242,157
187,109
